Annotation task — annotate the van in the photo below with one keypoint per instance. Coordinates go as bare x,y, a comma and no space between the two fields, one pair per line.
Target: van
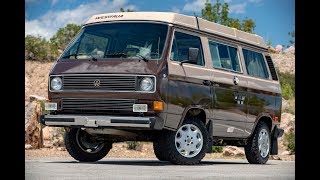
178,81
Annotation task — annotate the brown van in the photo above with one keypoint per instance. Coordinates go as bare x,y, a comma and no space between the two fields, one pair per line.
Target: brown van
180,81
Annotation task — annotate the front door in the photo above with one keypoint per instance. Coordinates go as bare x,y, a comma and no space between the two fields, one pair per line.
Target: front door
230,91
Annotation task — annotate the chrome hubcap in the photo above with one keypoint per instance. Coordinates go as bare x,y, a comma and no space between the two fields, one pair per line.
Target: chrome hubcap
263,143
189,140
87,143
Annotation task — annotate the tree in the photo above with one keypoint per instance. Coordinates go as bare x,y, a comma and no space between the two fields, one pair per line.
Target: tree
248,25
220,14
128,10
224,14
64,35
292,34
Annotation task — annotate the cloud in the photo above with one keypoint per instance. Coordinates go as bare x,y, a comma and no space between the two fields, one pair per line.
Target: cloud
227,1
254,1
175,9
47,24
238,8
194,6
53,2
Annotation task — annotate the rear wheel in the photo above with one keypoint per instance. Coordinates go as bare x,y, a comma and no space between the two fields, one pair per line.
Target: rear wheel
187,145
258,147
84,147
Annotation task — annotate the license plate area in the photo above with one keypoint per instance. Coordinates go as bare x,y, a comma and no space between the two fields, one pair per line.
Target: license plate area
50,106
140,108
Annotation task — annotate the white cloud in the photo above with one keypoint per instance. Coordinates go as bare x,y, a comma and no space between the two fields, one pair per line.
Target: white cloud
194,6
53,2
238,8
175,9
47,25
254,1
228,1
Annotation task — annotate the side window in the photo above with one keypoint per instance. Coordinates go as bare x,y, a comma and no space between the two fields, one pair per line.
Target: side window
224,56
181,44
255,64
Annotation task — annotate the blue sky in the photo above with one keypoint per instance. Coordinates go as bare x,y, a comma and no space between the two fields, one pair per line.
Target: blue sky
274,18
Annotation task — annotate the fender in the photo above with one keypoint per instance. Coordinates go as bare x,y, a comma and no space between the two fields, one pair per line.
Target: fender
261,115
192,107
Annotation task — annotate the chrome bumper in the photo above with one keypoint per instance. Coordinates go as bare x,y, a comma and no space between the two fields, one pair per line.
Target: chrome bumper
97,121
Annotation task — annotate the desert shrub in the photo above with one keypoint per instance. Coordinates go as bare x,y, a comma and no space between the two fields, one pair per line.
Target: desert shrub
39,49
287,82
132,145
217,149
289,142
291,106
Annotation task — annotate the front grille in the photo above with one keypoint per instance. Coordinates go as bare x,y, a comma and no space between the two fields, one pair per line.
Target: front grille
99,82
97,104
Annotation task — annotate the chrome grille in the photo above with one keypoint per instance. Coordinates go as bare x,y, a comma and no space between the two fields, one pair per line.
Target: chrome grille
97,104
99,82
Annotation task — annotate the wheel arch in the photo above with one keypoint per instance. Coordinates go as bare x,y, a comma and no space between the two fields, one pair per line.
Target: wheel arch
195,111
264,117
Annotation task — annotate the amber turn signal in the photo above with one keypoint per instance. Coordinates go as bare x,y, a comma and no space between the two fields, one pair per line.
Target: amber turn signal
157,105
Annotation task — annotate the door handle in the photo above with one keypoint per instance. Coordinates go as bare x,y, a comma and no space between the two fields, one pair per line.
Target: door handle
235,80
207,83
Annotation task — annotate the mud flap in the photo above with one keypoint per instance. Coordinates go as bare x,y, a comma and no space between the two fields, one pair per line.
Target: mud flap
210,138
277,132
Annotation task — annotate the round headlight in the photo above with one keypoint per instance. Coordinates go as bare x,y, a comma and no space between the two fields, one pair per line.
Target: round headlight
56,83
146,84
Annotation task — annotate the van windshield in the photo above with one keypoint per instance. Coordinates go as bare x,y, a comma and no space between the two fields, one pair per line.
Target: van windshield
118,40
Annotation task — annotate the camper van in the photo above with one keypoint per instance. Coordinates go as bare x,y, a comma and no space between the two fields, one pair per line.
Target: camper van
184,83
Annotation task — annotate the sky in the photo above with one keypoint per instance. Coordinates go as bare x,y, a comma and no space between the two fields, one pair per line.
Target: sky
273,18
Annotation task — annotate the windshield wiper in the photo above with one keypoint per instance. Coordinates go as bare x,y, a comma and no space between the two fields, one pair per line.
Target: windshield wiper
117,54
142,57
75,56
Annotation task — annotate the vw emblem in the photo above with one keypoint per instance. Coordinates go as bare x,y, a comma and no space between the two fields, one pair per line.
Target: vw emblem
96,83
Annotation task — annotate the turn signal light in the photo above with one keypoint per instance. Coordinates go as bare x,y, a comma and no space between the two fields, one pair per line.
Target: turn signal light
276,118
157,105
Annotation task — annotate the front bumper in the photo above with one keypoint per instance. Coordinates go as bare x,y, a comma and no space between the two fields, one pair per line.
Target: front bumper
101,121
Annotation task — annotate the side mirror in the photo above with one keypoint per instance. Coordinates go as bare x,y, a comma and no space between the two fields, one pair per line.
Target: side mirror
192,56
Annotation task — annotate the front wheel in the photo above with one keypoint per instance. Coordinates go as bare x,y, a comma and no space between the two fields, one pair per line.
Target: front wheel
258,147
187,145
84,147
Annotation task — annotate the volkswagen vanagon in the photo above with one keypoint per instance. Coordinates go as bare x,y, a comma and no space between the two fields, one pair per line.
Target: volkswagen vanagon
178,81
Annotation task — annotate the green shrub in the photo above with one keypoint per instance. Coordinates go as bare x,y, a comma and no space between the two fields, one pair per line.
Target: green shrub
287,82
132,145
289,142
217,149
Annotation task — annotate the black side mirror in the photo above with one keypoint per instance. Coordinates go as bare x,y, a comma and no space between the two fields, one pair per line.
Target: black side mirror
192,56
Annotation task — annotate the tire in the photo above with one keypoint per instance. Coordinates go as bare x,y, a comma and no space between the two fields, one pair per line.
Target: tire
176,143
159,151
78,143
254,154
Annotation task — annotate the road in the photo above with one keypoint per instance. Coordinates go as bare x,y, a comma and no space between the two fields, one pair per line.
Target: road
58,168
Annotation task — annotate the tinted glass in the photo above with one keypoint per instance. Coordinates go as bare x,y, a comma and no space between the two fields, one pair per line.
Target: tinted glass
118,40
224,56
255,64
181,44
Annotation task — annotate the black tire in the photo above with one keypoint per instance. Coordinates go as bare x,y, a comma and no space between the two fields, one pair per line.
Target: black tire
252,148
159,151
77,152
170,146
158,148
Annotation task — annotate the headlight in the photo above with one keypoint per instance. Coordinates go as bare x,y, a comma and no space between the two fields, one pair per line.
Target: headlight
146,84
56,83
